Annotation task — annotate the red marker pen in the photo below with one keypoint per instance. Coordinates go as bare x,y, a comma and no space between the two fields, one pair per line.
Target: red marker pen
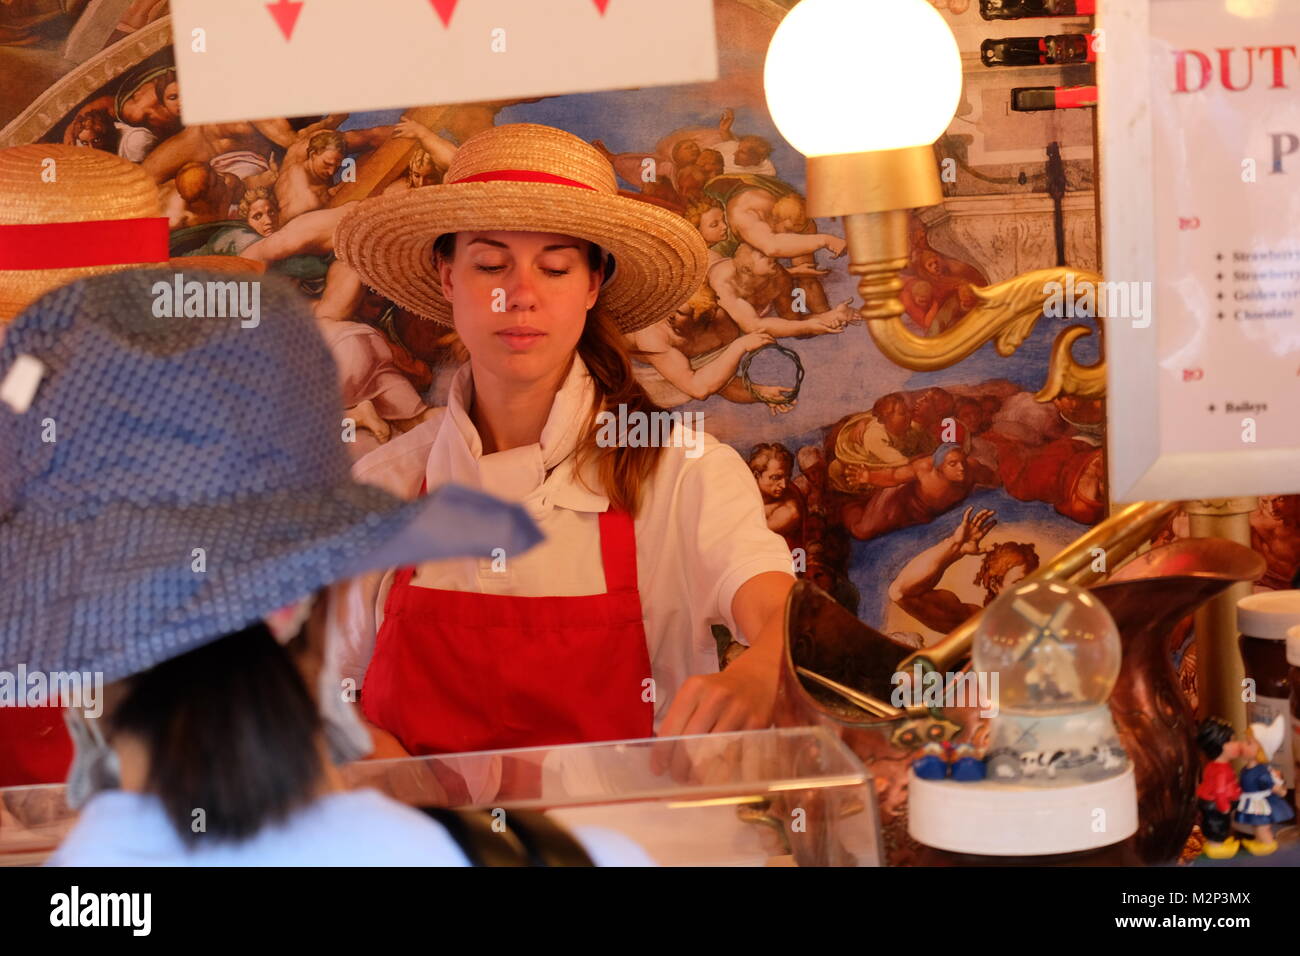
1029,99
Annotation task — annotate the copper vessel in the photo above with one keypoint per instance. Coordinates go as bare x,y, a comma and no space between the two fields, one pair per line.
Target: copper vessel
1147,597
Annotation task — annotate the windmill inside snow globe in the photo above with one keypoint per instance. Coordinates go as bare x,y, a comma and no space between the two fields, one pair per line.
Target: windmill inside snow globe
1057,778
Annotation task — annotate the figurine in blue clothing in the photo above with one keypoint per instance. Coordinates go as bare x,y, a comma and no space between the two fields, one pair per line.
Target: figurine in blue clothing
966,766
932,764
1261,804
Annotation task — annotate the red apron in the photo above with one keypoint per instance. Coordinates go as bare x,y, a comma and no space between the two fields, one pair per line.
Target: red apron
456,670
34,746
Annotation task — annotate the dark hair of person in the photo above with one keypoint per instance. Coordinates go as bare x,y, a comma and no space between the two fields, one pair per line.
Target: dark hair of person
1213,734
623,471
230,729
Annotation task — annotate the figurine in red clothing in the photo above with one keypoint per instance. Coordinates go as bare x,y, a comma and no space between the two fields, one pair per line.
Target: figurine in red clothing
1219,790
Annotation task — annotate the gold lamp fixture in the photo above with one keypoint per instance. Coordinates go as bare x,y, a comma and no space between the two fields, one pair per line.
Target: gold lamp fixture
863,88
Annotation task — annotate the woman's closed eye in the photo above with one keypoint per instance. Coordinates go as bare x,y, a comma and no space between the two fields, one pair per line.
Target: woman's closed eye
553,273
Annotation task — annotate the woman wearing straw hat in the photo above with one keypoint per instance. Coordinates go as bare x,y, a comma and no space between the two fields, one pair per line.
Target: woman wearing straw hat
604,630
198,484
68,213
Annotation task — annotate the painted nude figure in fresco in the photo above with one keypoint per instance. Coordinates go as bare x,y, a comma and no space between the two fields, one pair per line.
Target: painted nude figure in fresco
783,502
916,588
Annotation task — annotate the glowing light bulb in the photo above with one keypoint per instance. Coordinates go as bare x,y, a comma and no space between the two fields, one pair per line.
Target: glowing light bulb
853,76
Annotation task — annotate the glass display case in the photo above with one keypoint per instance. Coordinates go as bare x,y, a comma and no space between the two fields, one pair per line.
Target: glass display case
790,796
33,821
767,797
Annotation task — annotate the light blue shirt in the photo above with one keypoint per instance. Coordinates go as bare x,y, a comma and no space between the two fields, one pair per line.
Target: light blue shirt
349,828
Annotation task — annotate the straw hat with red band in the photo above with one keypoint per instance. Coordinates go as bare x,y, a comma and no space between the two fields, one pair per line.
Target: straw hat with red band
527,178
68,212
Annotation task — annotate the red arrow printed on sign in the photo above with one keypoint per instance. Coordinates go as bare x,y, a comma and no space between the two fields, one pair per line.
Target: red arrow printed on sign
286,15
445,9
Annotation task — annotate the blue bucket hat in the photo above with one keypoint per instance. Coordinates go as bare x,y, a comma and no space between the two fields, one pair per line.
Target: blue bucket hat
175,479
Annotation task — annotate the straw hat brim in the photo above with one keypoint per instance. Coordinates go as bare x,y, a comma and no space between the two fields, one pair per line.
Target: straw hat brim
660,258
20,288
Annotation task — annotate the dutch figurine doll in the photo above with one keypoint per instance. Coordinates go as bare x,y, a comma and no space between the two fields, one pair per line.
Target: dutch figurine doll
1219,791
1260,804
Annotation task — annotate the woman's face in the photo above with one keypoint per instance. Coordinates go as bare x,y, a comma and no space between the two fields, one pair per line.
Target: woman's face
262,217
519,301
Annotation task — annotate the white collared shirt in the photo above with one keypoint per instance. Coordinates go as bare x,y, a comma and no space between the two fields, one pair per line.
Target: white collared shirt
701,532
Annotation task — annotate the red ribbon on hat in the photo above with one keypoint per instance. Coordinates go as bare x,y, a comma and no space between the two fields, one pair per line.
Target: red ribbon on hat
76,245
521,176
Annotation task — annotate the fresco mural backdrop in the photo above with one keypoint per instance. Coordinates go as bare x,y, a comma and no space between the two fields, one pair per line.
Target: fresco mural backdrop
914,497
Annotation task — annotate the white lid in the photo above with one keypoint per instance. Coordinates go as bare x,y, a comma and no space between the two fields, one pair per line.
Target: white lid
1293,646
1000,819
1268,614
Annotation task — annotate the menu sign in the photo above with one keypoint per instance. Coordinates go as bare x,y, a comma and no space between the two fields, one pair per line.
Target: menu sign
1201,210
248,59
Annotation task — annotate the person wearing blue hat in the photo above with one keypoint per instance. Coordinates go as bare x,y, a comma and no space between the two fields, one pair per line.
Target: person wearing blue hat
169,483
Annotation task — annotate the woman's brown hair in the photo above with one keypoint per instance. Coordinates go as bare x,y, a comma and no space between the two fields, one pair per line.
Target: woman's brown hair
622,471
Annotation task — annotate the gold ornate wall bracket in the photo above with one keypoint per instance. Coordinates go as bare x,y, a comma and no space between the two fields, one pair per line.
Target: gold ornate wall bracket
1005,313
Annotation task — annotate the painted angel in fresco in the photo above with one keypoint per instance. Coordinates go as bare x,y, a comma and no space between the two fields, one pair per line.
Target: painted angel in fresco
936,288
687,158
760,295
696,353
750,298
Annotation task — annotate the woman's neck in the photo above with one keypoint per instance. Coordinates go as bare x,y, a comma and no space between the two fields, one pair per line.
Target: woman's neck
511,414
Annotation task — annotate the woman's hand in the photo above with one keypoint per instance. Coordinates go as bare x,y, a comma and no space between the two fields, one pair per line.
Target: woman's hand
739,698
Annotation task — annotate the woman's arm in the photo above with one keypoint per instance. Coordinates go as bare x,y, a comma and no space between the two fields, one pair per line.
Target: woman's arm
386,745
740,697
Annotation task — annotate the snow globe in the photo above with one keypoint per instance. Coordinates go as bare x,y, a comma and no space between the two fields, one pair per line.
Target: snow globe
1052,655
1058,781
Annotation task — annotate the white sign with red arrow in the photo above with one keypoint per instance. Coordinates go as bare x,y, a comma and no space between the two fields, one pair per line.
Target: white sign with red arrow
252,59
